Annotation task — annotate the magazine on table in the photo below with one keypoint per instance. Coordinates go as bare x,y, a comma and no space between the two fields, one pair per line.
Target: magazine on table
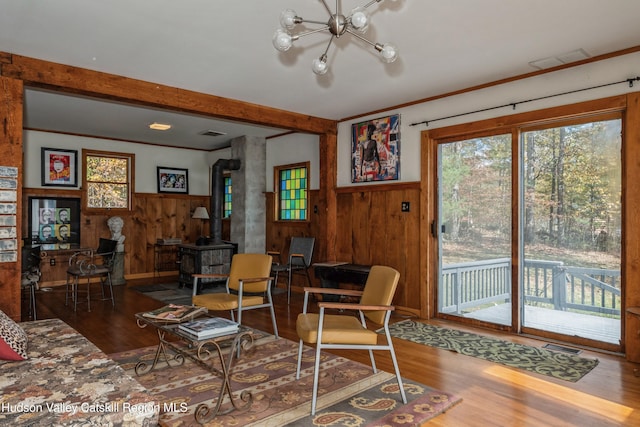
209,327
175,313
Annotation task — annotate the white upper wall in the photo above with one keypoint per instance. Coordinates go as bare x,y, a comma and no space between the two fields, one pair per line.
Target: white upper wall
286,150
147,158
571,79
295,148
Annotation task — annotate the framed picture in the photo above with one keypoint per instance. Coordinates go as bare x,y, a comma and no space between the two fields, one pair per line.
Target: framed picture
172,180
54,222
59,167
375,149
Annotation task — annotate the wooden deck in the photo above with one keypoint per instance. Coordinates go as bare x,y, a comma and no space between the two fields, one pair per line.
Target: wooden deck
562,322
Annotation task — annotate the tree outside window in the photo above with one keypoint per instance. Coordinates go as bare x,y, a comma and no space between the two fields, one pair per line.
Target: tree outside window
108,179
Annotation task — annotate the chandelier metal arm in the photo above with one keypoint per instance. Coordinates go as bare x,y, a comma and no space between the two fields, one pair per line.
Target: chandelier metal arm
324,3
306,33
308,21
324,55
371,3
378,46
356,24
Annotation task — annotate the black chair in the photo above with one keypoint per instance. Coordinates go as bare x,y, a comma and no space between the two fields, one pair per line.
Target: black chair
299,261
89,264
31,276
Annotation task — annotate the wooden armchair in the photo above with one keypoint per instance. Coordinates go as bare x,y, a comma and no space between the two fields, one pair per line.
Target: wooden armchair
345,331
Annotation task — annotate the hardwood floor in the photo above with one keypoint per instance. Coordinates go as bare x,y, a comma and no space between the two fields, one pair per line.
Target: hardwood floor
493,395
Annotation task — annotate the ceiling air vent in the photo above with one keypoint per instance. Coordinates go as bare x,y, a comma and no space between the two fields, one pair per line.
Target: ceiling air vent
212,133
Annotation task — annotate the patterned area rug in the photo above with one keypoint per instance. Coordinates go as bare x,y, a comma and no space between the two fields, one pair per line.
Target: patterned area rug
349,393
560,365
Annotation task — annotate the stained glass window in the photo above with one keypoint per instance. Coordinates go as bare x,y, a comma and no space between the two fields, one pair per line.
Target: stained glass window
292,194
227,197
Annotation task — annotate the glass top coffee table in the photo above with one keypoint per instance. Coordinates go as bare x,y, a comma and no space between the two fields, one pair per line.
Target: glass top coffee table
204,352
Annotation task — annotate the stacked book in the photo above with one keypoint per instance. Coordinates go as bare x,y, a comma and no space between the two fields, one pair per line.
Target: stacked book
175,313
209,327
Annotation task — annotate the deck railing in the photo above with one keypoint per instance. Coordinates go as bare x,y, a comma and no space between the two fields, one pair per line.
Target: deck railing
471,285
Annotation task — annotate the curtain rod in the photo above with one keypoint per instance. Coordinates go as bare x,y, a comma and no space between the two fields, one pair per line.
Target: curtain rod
514,104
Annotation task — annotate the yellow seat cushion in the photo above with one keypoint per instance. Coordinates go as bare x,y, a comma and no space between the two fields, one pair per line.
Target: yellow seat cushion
336,330
223,302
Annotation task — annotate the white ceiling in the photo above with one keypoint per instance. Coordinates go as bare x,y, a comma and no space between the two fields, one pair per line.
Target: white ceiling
224,48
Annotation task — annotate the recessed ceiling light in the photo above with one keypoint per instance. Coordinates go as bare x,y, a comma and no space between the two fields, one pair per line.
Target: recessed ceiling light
159,126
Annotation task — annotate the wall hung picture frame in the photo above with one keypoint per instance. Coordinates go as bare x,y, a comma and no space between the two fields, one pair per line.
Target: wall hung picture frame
59,167
54,223
173,180
375,149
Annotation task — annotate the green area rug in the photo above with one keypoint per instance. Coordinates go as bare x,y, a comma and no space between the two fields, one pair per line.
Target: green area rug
559,365
173,293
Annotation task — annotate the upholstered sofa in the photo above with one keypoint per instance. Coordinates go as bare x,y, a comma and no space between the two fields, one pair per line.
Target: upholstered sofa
65,380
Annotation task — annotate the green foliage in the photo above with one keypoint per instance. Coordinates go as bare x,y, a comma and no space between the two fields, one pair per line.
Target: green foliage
107,182
570,178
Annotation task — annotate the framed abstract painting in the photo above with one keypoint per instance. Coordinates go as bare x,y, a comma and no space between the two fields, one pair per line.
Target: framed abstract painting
375,150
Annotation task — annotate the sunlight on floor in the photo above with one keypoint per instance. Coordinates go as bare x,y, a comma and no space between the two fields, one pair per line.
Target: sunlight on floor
614,411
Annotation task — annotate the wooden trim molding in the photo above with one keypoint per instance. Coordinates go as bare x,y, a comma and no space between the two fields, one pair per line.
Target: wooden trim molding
69,79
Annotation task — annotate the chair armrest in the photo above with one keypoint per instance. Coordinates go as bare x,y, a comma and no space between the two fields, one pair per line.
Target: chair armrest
275,254
334,291
355,306
209,276
84,253
300,261
255,279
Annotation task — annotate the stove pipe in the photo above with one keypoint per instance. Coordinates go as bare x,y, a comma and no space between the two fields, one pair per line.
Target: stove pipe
217,196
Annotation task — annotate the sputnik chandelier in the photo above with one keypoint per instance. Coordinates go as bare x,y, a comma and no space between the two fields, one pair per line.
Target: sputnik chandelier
356,24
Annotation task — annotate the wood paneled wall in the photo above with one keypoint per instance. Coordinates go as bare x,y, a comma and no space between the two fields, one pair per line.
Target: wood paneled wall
371,229
153,216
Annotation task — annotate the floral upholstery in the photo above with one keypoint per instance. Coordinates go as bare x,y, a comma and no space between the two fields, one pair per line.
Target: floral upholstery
68,381
13,339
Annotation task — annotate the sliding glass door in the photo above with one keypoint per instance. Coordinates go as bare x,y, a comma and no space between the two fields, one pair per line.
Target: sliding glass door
571,230
566,250
474,227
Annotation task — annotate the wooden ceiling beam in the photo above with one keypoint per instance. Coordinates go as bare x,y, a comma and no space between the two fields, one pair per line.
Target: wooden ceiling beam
69,79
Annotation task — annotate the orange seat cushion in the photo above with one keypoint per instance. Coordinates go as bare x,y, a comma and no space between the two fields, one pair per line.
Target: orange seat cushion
336,330
225,302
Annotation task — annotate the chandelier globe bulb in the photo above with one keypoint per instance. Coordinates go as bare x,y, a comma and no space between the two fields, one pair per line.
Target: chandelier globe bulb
288,18
389,53
360,19
319,65
282,40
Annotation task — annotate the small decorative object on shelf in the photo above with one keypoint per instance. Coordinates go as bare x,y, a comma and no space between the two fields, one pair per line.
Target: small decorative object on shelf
210,327
175,313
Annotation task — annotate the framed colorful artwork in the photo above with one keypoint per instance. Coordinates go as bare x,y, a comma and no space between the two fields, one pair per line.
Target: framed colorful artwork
375,149
59,167
173,180
54,222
